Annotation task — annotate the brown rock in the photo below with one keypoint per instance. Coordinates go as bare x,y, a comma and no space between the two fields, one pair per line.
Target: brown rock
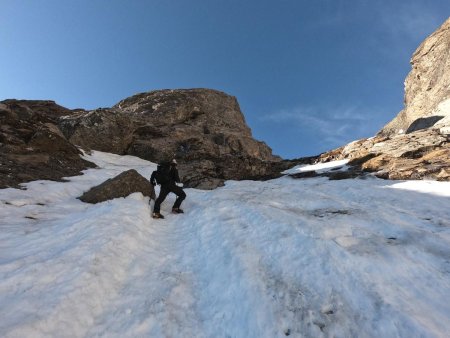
427,87
122,185
375,164
31,145
423,154
360,159
415,144
444,175
106,130
332,155
443,154
204,129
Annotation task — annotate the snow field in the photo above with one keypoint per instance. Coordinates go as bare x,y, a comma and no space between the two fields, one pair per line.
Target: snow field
305,258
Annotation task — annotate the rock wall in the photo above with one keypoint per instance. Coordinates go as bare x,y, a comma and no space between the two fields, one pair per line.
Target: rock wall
416,143
203,129
427,87
31,145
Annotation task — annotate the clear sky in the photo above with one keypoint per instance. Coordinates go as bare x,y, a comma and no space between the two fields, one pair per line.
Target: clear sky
310,75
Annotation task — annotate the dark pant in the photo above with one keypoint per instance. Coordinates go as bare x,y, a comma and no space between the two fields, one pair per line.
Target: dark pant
165,190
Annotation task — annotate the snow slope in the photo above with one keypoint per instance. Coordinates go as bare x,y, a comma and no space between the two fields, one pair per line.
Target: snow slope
305,258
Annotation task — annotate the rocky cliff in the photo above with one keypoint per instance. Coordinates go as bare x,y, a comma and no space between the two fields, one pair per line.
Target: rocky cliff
203,129
427,87
32,146
415,144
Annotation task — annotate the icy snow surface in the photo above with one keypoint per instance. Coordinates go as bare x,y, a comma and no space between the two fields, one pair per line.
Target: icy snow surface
319,167
304,258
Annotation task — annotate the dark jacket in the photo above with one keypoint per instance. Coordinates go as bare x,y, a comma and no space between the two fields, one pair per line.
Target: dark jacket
173,174
165,176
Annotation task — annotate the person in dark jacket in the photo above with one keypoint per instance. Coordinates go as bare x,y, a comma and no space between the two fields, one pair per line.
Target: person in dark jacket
168,179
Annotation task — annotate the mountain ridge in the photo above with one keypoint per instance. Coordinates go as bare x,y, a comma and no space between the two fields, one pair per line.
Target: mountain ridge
203,128
206,131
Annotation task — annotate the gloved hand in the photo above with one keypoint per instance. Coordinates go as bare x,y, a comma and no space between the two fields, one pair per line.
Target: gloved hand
179,184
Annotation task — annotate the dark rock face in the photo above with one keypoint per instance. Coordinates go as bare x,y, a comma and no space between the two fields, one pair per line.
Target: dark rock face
105,130
423,123
203,129
122,185
31,145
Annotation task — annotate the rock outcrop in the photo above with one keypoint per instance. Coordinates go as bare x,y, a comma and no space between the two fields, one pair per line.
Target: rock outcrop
122,185
424,154
415,144
427,87
203,129
31,145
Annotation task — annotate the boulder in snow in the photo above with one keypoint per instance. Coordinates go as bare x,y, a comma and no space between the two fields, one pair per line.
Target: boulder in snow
122,185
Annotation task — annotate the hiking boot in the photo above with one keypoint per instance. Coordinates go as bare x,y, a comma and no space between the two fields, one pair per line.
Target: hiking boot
157,215
177,211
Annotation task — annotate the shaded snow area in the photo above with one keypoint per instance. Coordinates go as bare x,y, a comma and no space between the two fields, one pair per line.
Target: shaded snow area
304,258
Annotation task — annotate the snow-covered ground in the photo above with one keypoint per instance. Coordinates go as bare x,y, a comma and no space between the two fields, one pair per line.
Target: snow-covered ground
305,258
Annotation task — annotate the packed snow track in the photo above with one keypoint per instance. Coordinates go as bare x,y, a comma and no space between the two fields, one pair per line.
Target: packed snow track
300,258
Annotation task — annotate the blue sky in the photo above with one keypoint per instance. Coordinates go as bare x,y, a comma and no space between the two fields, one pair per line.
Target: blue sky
309,75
